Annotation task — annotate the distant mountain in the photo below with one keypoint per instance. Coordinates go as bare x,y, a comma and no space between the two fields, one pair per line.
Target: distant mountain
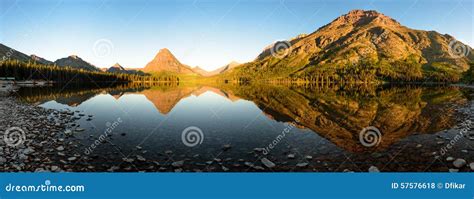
74,61
117,68
7,53
361,37
201,71
217,71
41,60
166,61
225,68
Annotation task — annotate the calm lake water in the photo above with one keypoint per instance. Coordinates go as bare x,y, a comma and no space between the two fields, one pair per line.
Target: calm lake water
232,127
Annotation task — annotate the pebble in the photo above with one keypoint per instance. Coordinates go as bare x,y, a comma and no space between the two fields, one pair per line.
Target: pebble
141,158
54,168
72,158
373,169
291,156
308,157
472,166
225,168
178,163
458,163
453,170
226,147
269,164
449,159
303,164
28,151
60,148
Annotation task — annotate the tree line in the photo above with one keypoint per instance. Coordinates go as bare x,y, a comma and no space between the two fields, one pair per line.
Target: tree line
34,71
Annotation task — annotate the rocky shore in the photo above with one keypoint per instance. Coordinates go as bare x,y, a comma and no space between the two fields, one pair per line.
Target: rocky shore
30,135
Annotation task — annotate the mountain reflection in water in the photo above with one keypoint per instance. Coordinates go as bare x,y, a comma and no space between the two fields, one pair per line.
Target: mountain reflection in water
250,117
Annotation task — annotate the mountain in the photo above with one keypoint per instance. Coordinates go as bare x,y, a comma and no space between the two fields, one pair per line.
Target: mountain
225,68
76,62
7,53
217,71
201,71
166,61
361,39
41,60
116,68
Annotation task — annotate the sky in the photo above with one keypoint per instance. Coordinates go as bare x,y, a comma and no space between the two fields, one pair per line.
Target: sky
209,33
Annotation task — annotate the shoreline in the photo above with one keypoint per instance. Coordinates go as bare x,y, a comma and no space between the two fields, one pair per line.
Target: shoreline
34,132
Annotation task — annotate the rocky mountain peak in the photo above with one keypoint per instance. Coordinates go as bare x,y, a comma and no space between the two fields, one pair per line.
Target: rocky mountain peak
117,65
363,17
166,61
74,57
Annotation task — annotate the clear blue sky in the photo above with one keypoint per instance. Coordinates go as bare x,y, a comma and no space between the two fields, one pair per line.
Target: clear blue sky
206,33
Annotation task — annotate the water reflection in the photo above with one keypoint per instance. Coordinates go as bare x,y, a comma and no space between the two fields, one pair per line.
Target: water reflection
249,117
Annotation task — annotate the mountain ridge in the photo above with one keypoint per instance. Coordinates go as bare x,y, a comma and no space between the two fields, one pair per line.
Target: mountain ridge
361,37
76,62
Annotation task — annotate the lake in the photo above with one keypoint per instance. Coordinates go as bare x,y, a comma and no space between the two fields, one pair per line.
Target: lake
262,127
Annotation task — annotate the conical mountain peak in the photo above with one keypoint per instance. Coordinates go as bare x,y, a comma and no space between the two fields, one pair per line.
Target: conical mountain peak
117,65
166,61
